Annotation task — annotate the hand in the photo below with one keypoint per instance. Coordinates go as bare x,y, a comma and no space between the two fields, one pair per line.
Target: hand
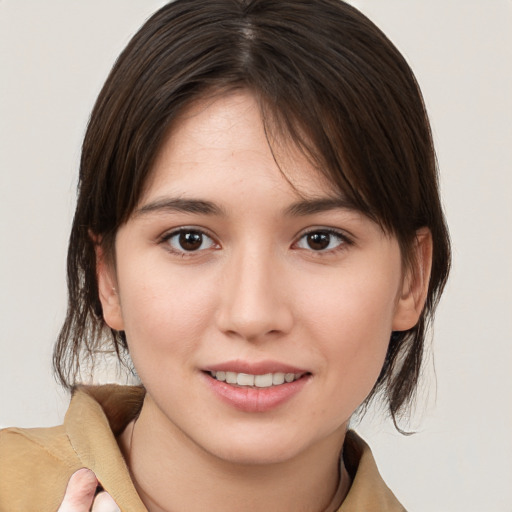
80,497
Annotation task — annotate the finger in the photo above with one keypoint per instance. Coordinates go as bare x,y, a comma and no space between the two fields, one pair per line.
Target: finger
104,503
79,492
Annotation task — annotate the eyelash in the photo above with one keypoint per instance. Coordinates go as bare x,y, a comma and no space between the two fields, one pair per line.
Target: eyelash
343,239
166,238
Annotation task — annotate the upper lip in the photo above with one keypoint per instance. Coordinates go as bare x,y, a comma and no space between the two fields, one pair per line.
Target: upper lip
254,367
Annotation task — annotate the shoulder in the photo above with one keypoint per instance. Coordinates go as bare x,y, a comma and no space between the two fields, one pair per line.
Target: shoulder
35,466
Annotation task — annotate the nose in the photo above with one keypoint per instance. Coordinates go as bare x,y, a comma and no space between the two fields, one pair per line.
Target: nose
255,301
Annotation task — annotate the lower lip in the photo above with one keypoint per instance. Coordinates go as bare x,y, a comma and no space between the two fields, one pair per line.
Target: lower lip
252,399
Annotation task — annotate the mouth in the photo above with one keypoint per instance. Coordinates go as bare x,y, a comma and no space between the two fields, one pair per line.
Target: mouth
255,387
265,380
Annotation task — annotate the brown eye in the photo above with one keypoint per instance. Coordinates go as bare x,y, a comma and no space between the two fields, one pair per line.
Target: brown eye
189,240
321,240
318,241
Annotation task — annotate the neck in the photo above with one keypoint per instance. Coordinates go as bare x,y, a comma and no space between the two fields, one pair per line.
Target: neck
172,473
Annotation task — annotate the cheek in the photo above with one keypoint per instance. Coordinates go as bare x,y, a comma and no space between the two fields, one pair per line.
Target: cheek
164,312
355,310
352,325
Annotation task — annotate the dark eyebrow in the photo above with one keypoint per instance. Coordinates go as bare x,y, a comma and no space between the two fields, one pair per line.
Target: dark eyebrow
197,206
312,206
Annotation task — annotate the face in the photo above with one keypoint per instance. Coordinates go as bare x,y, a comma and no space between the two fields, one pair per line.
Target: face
257,307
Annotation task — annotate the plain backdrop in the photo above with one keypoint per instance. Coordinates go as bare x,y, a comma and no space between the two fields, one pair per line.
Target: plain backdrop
54,56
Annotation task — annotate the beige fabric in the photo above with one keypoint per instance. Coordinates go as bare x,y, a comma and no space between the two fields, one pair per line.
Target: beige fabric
36,464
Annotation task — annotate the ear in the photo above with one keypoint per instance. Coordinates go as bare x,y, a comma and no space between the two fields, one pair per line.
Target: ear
108,294
415,283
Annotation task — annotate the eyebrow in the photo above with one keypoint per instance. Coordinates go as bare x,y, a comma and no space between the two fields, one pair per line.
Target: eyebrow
196,206
201,207
312,206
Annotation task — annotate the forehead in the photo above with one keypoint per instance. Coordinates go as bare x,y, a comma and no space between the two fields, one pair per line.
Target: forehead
224,136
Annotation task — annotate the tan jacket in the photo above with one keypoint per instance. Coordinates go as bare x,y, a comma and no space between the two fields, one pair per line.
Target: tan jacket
36,464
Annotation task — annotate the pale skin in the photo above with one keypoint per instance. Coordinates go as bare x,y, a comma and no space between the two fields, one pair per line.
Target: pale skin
279,270
80,495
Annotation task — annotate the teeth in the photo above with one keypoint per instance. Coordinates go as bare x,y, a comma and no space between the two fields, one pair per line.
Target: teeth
260,381
231,377
277,378
244,379
263,381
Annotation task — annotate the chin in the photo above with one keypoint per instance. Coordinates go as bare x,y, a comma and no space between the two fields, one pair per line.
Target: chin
260,446
256,455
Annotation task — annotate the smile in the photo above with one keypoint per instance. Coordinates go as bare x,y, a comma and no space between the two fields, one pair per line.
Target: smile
259,381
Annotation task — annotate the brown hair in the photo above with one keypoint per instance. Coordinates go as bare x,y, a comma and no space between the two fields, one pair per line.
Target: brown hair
331,81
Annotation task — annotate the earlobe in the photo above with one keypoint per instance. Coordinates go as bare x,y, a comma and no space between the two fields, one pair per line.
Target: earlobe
108,294
415,284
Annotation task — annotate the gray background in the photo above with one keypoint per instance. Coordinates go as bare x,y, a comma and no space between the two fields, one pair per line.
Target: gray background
54,56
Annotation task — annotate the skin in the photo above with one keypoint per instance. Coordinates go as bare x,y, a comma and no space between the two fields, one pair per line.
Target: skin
256,289
80,495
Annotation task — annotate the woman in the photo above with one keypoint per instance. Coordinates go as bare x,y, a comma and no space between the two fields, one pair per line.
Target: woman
259,228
